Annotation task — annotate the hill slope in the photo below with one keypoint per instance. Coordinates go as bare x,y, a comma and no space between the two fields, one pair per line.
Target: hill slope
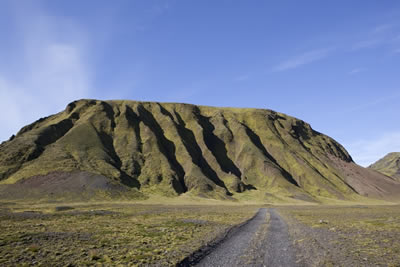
171,149
389,165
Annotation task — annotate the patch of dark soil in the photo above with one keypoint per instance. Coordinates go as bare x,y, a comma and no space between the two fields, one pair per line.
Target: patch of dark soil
95,212
27,215
63,208
62,184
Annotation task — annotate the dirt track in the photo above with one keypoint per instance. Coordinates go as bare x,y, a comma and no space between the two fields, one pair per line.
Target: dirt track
251,245
279,250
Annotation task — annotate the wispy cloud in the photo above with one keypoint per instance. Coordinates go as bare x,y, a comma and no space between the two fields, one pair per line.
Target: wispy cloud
303,59
372,103
381,28
377,36
366,152
366,44
53,53
356,70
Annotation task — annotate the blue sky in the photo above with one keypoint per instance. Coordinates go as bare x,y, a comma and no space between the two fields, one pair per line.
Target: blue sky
334,64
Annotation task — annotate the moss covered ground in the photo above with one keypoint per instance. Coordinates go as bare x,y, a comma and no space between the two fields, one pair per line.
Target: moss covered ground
150,233
346,235
109,234
389,165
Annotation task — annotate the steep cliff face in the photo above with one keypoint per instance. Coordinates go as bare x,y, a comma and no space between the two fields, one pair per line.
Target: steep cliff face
388,165
171,149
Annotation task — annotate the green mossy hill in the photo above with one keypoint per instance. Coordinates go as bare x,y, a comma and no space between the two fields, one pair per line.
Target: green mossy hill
389,165
172,149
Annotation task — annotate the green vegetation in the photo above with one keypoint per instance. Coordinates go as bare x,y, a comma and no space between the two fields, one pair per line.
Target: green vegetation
389,165
128,149
132,233
79,234
346,235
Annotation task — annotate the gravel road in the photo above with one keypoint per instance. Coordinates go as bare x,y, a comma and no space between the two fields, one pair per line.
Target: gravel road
251,246
279,250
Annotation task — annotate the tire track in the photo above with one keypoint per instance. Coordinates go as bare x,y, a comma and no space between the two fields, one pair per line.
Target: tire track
274,249
279,251
230,251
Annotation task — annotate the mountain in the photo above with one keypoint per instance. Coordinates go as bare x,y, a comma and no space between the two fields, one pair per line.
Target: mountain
388,165
120,148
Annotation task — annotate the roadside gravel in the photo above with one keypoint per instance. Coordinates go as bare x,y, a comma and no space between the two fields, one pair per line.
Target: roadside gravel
263,241
279,250
230,251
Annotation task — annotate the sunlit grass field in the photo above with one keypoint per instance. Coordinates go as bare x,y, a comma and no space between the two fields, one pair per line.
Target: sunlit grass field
369,235
141,233
110,233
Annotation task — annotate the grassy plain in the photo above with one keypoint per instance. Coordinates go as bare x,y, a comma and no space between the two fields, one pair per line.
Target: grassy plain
79,234
150,233
346,235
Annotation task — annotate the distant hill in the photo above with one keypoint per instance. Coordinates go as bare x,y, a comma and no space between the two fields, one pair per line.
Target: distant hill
389,165
139,149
